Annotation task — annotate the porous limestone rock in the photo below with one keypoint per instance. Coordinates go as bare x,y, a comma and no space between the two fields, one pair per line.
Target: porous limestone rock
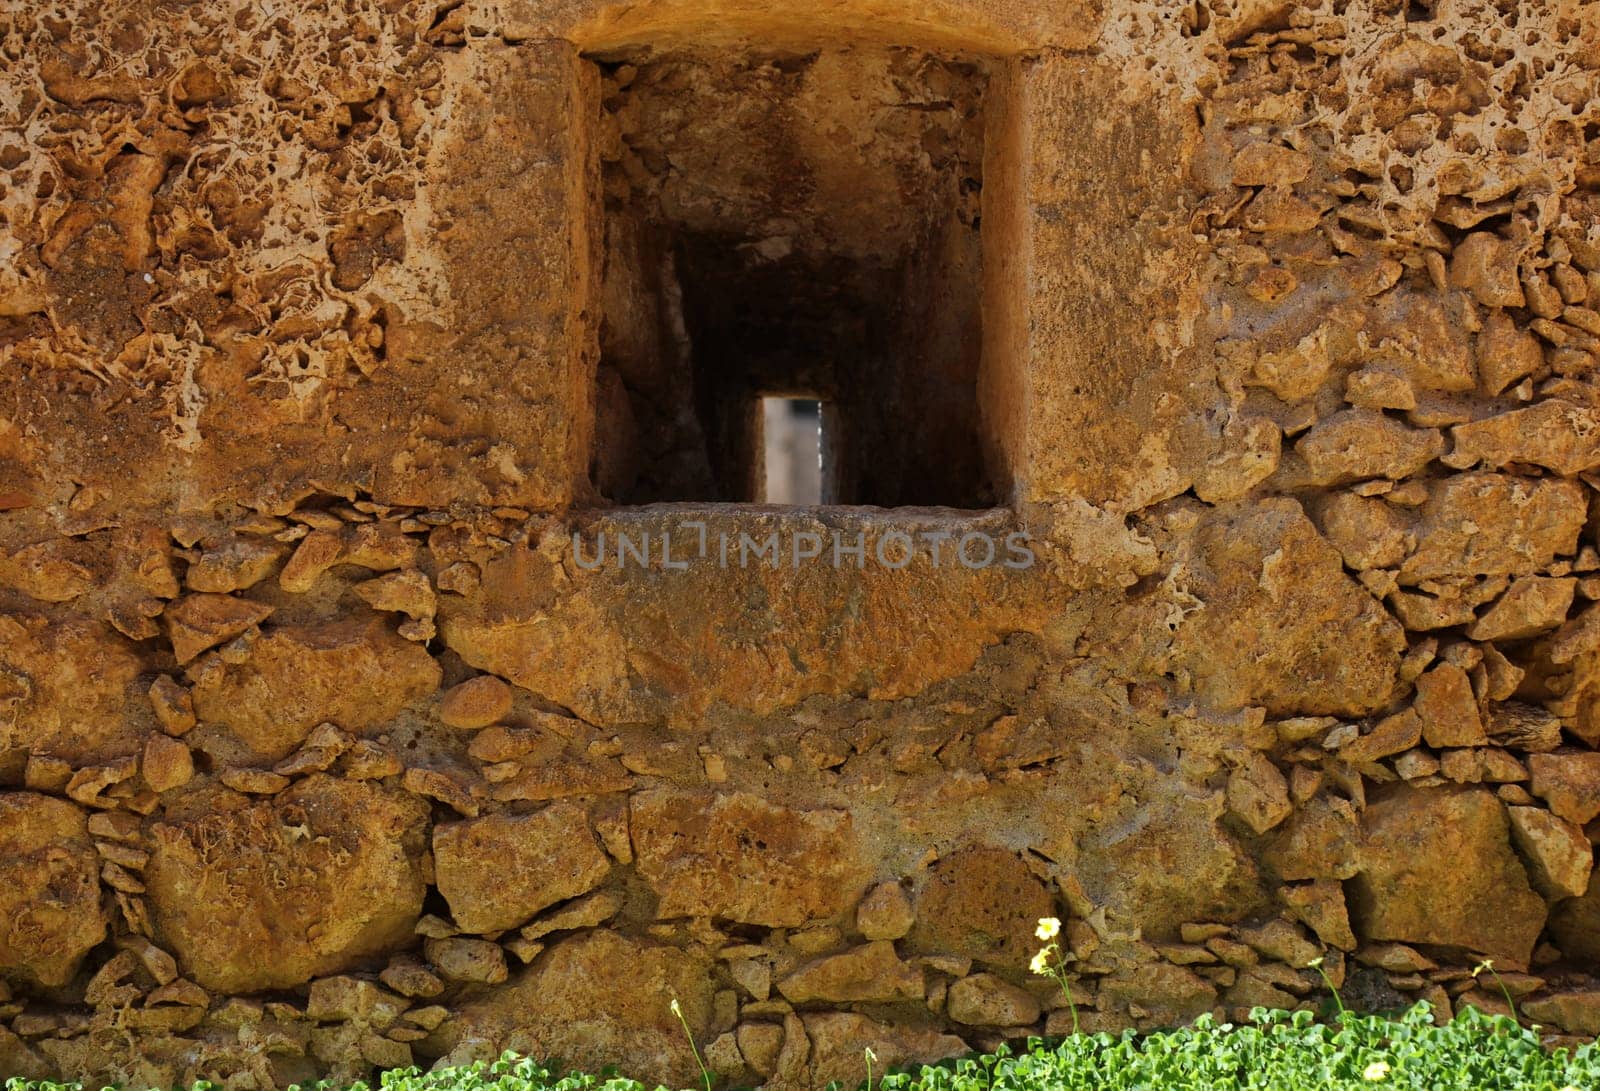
233,564
1291,390
885,913
870,973
1575,924
1448,708
1258,576
1258,794
1361,443
1569,781
1437,866
984,1000
1319,841
1559,856
595,997
498,871
1576,1011
69,690
742,858
198,622
469,961
839,1041
1558,435
1488,524
475,703
357,674
981,903
1530,606
1171,994
1320,905
49,889
166,763
1367,532
311,881
1391,735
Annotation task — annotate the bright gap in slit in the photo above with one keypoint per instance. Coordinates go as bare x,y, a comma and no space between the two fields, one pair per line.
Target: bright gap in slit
793,430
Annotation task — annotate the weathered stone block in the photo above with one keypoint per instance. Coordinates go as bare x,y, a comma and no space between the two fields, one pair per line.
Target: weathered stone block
1436,866
593,998
310,882
49,889
356,674
740,857
498,871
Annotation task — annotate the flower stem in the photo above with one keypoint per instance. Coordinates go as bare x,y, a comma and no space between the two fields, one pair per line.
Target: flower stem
677,1009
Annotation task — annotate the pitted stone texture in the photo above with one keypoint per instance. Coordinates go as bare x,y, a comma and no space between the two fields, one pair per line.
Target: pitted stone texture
1558,435
357,674
1263,613
311,882
197,623
1487,524
982,903
1167,857
870,973
839,1041
745,859
475,703
1569,783
70,690
990,1001
576,637
1560,858
1306,287
1362,443
1137,409
885,913
498,871
50,914
594,998
1437,867
1171,994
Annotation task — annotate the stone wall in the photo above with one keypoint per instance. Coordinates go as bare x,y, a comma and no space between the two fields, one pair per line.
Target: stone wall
322,747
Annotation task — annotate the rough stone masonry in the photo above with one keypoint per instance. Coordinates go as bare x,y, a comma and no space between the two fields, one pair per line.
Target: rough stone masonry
1272,325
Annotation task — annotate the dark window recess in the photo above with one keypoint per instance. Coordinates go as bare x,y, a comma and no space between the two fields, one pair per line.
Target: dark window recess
792,226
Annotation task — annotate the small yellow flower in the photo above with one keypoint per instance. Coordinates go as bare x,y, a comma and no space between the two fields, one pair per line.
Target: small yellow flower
1040,963
676,1009
1049,928
1377,1070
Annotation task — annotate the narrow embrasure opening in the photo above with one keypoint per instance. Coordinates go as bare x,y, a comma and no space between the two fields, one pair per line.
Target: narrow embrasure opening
793,451
778,223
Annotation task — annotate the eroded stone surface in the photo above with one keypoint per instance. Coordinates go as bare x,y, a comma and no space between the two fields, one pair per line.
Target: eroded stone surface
873,972
1410,887
1559,856
312,881
356,674
739,857
1282,332
498,871
49,896
1250,570
597,996
67,690
982,903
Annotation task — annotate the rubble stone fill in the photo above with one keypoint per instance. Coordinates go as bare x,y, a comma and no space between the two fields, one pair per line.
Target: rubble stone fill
398,663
